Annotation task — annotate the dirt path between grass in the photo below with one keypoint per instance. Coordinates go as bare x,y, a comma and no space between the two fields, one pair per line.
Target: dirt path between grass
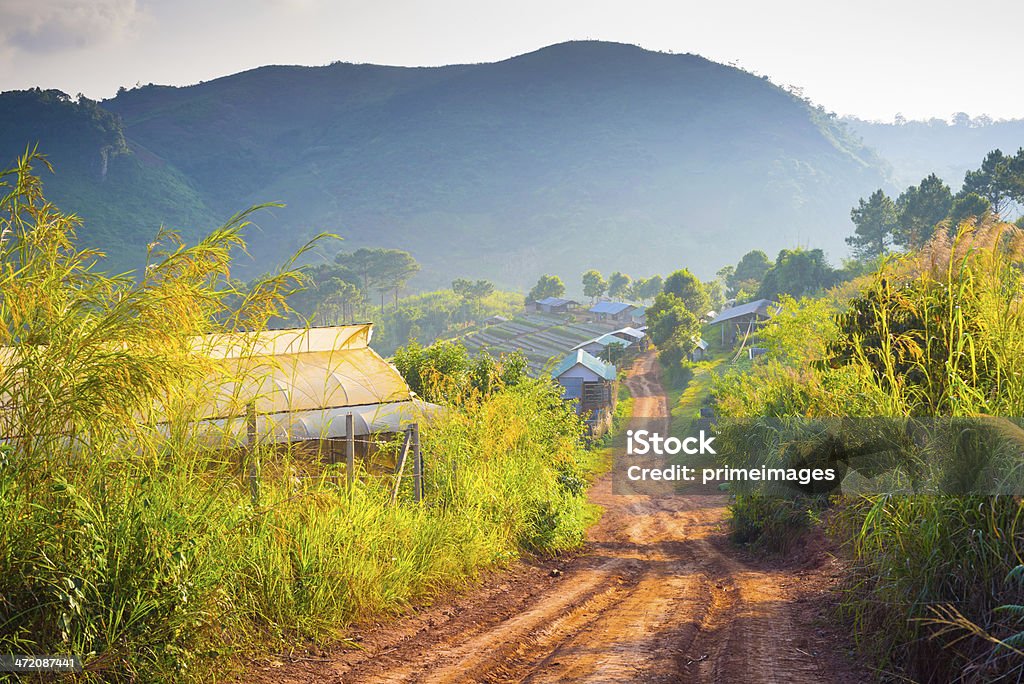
658,595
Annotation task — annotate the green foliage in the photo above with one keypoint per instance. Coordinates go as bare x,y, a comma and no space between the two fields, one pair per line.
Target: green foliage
646,289
619,285
673,328
968,206
933,333
749,272
445,372
799,273
594,284
876,222
921,208
685,286
472,290
383,270
1000,180
126,542
771,523
547,286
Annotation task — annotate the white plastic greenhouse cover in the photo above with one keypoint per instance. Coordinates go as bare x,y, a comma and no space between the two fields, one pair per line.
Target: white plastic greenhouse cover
302,370
302,381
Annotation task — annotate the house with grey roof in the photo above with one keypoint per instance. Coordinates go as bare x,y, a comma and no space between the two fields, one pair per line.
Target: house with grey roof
553,305
700,349
743,320
608,346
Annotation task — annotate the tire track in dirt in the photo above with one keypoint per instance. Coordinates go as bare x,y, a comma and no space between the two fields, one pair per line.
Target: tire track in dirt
656,597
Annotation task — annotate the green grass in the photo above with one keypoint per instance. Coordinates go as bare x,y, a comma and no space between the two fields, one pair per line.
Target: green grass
130,545
930,592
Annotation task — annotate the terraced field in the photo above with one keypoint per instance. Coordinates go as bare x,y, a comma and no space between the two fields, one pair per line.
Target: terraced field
543,338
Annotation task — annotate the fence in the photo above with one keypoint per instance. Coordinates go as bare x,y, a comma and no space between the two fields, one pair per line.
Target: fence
331,448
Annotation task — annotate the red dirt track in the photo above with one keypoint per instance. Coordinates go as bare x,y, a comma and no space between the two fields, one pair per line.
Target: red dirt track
657,595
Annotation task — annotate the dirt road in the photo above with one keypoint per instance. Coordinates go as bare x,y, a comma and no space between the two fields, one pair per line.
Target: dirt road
658,595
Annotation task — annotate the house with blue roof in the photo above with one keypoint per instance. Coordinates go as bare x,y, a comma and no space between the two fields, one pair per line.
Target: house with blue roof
612,311
589,382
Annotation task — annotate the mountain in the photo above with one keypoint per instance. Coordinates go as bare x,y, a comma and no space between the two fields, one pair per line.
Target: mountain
580,155
122,193
918,148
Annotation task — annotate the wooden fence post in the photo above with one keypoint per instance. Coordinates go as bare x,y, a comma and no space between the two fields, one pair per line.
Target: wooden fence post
400,466
417,464
350,450
252,438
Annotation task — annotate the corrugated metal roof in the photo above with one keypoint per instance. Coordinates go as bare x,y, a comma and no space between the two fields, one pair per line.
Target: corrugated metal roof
589,361
555,301
635,333
701,344
761,307
611,308
604,340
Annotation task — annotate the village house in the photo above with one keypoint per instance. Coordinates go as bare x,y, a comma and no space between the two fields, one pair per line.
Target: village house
635,336
743,320
553,305
589,382
608,346
612,311
700,350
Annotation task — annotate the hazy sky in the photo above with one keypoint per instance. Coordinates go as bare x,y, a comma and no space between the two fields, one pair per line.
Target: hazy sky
871,58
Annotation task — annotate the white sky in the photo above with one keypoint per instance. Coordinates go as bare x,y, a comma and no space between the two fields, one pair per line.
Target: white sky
871,58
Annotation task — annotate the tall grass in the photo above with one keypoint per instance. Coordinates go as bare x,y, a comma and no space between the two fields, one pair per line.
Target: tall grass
125,543
936,333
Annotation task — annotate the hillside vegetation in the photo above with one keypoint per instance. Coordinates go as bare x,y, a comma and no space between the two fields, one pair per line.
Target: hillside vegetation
126,542
557,158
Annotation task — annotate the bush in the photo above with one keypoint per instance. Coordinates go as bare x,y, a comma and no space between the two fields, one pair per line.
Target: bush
128,544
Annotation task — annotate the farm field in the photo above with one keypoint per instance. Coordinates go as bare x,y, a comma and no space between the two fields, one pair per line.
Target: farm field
543,338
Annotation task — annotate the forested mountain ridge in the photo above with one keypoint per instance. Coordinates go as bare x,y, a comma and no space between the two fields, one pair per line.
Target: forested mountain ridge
123,193
579,155
948,149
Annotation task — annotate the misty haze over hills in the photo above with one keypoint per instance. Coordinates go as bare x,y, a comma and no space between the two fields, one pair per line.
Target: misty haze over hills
915,149
580,155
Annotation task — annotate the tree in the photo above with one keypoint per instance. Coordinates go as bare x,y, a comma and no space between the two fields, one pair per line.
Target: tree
716,294
547,286
672,328
749,272
618,285
969,206
920,208
646,289
797,272
339,300
995,180
876,221
472,293
688,289
470,290
380,269
594,284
